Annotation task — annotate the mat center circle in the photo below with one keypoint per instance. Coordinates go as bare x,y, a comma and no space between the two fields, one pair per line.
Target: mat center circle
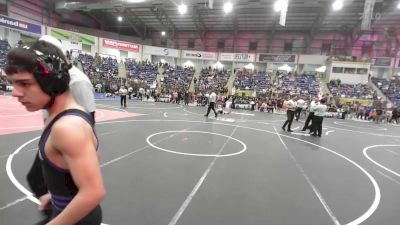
222,147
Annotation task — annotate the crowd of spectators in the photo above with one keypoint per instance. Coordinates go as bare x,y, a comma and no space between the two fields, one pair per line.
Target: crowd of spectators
4,49
298,85
3,79
356,91
143,71
100,70
177,78
390,88
246,80
213,80
86,61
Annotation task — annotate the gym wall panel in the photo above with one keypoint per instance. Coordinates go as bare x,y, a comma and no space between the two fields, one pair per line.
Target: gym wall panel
25,11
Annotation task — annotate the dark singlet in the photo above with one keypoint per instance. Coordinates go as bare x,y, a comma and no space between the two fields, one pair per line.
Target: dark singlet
59,181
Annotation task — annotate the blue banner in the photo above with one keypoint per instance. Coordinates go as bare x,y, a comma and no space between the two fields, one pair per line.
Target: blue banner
20,25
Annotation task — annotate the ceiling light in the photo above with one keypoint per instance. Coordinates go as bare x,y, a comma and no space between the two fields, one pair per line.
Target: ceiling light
119,18
228,7
280,5
398,6
182,8
163,33
337,5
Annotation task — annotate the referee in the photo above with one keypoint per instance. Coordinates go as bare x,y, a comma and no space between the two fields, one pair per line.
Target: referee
319,113
123,92
291,107
211,105
310,115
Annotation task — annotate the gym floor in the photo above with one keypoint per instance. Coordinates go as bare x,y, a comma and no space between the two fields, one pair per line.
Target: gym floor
168,164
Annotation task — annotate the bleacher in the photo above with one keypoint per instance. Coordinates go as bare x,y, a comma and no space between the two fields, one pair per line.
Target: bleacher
213,80
298,85
177,78
4,49
249,81
356,91
87,62
101,70
108,67
390,88
141,71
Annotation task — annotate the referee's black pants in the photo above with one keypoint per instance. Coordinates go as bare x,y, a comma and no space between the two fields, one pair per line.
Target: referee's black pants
290,117
211,106
309,118
123,100
317,125
298,113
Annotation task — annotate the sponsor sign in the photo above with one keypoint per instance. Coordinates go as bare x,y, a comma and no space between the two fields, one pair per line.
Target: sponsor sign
383,62
160,51
276,58
199,55
237,57
72,36
363,102
121,45
20,25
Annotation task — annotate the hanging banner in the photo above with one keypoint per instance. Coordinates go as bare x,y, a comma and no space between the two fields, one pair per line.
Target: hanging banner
72,36
237,57
199,55
121,70
20,25
382,62
150,50
284,9
121,45
276,58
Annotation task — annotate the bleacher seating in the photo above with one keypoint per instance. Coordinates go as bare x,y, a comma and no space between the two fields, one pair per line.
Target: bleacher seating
87,62
143,71
177,78
108,67
100,70
4,49
249,81
357,91
303,84
3,79
213,80
390,88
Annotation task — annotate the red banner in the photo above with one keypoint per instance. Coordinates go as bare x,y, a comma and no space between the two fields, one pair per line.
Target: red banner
120,45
